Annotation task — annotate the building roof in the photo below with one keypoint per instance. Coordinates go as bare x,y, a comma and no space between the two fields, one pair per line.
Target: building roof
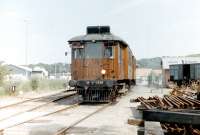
3,63
97,37
167,61
21,67
42,70
25,68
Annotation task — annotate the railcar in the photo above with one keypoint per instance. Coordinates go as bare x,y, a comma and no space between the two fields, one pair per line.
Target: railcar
101,64
184,73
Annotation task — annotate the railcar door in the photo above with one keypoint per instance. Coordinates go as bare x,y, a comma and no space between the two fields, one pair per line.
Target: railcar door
92,60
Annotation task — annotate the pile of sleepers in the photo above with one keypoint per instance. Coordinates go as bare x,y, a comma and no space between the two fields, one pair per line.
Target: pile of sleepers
168,102
189,90
183,92
177,114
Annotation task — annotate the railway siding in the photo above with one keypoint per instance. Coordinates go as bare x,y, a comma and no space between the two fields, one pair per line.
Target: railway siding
55,123
31,109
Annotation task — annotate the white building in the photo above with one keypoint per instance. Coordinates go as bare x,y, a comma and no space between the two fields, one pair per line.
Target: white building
147,76
142,76
19,73
39,72
61,76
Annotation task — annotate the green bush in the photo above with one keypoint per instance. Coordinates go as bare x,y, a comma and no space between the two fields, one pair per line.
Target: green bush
3,91
3,72
24,86
34,84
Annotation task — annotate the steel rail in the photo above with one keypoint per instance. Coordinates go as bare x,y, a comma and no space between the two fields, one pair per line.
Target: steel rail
39,106
64,130
32,99
44,115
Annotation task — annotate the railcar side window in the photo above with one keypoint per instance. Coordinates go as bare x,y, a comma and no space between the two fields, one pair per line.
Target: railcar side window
108,52
77,53
120,54
130,58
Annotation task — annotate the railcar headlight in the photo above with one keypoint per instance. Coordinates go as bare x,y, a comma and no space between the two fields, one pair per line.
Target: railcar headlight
103,71
87,82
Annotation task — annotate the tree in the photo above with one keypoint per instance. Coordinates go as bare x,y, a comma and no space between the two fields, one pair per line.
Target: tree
3,72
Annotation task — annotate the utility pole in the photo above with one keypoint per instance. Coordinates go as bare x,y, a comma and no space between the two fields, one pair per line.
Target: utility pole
55,70
26,40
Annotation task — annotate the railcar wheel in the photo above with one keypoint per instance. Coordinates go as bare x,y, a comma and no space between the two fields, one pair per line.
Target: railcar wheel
113,96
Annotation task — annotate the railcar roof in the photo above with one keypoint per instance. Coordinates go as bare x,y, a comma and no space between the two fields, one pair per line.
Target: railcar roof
97,37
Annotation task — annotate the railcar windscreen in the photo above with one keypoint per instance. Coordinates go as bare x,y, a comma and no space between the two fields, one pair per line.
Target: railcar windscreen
90,50
93,50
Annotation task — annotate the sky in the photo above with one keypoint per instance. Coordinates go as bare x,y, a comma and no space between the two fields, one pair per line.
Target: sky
151,27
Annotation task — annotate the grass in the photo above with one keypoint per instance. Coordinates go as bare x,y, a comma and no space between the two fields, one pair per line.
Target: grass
3,92
31,85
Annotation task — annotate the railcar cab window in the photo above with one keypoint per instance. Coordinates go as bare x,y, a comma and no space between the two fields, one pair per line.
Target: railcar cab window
93,50
77,51
88,50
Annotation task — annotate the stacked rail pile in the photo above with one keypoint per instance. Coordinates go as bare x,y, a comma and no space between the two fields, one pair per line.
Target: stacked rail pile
178,129
184,91
168,102
171,103
189,90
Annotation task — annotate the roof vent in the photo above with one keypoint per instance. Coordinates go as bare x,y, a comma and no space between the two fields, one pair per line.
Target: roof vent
98,29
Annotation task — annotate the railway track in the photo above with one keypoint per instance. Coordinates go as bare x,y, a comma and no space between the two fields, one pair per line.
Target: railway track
45,101
36,117
32,99
63,131
24,117
16,118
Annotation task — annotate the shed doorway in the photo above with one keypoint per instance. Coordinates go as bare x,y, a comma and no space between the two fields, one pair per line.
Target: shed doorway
186,72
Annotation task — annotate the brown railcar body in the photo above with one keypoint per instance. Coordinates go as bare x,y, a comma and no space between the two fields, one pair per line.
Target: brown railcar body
90,69
99,77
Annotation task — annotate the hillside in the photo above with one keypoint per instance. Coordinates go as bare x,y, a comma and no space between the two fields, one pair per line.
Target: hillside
52,68
154,63
193,55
